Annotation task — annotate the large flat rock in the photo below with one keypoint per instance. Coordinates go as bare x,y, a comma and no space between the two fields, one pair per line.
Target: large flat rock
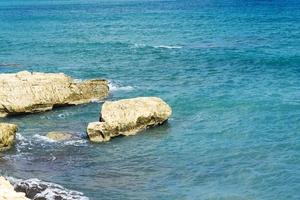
27,92
128,117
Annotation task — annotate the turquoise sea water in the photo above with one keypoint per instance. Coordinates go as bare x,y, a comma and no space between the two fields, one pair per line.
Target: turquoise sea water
230,70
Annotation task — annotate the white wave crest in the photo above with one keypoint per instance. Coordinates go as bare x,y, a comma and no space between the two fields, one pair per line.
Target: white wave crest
117,87
139,45
158,46
76,142
22,142
20,137
168,47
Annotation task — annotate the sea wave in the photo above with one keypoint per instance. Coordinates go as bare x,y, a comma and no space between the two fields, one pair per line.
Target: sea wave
21,142
158,46
24,142
168,47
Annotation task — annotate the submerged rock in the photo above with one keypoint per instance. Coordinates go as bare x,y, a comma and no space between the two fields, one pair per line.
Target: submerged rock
7,191
59,136
127,117
7,135
26,92
39,190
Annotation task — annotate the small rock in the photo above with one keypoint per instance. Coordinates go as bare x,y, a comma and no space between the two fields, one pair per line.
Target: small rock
128,117
7,135
59,136
96,132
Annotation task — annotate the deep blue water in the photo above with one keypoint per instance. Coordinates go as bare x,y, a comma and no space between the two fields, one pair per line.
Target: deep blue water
230,70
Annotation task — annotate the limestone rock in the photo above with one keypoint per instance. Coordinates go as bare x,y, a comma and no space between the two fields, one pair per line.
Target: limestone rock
7,135
59,136
7,191
27,92
127,117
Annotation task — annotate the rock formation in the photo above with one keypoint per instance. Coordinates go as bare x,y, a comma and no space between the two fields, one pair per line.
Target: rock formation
7,191
26,92
39,190
7,135
127,117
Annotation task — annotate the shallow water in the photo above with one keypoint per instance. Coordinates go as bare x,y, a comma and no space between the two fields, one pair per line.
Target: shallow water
229,69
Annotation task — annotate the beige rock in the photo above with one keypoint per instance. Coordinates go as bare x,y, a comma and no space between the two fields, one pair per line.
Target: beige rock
7,191
59,136
7,135
26,92
128,117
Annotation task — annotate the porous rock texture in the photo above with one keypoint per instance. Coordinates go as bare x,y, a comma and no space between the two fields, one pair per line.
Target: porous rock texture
7,135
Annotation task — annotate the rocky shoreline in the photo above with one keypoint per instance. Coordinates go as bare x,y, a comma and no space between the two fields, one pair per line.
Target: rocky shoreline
27,92
35,189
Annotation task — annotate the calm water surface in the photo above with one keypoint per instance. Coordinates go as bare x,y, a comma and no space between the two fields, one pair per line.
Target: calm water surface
230,70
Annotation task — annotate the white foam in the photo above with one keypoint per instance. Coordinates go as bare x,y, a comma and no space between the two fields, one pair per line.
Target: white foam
20,137
76,142
139,45
168,47
158,46
113,87
22,141
62,116
97,101
78,80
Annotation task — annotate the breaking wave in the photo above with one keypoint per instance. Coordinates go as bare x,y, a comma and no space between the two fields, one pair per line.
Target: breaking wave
118,87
